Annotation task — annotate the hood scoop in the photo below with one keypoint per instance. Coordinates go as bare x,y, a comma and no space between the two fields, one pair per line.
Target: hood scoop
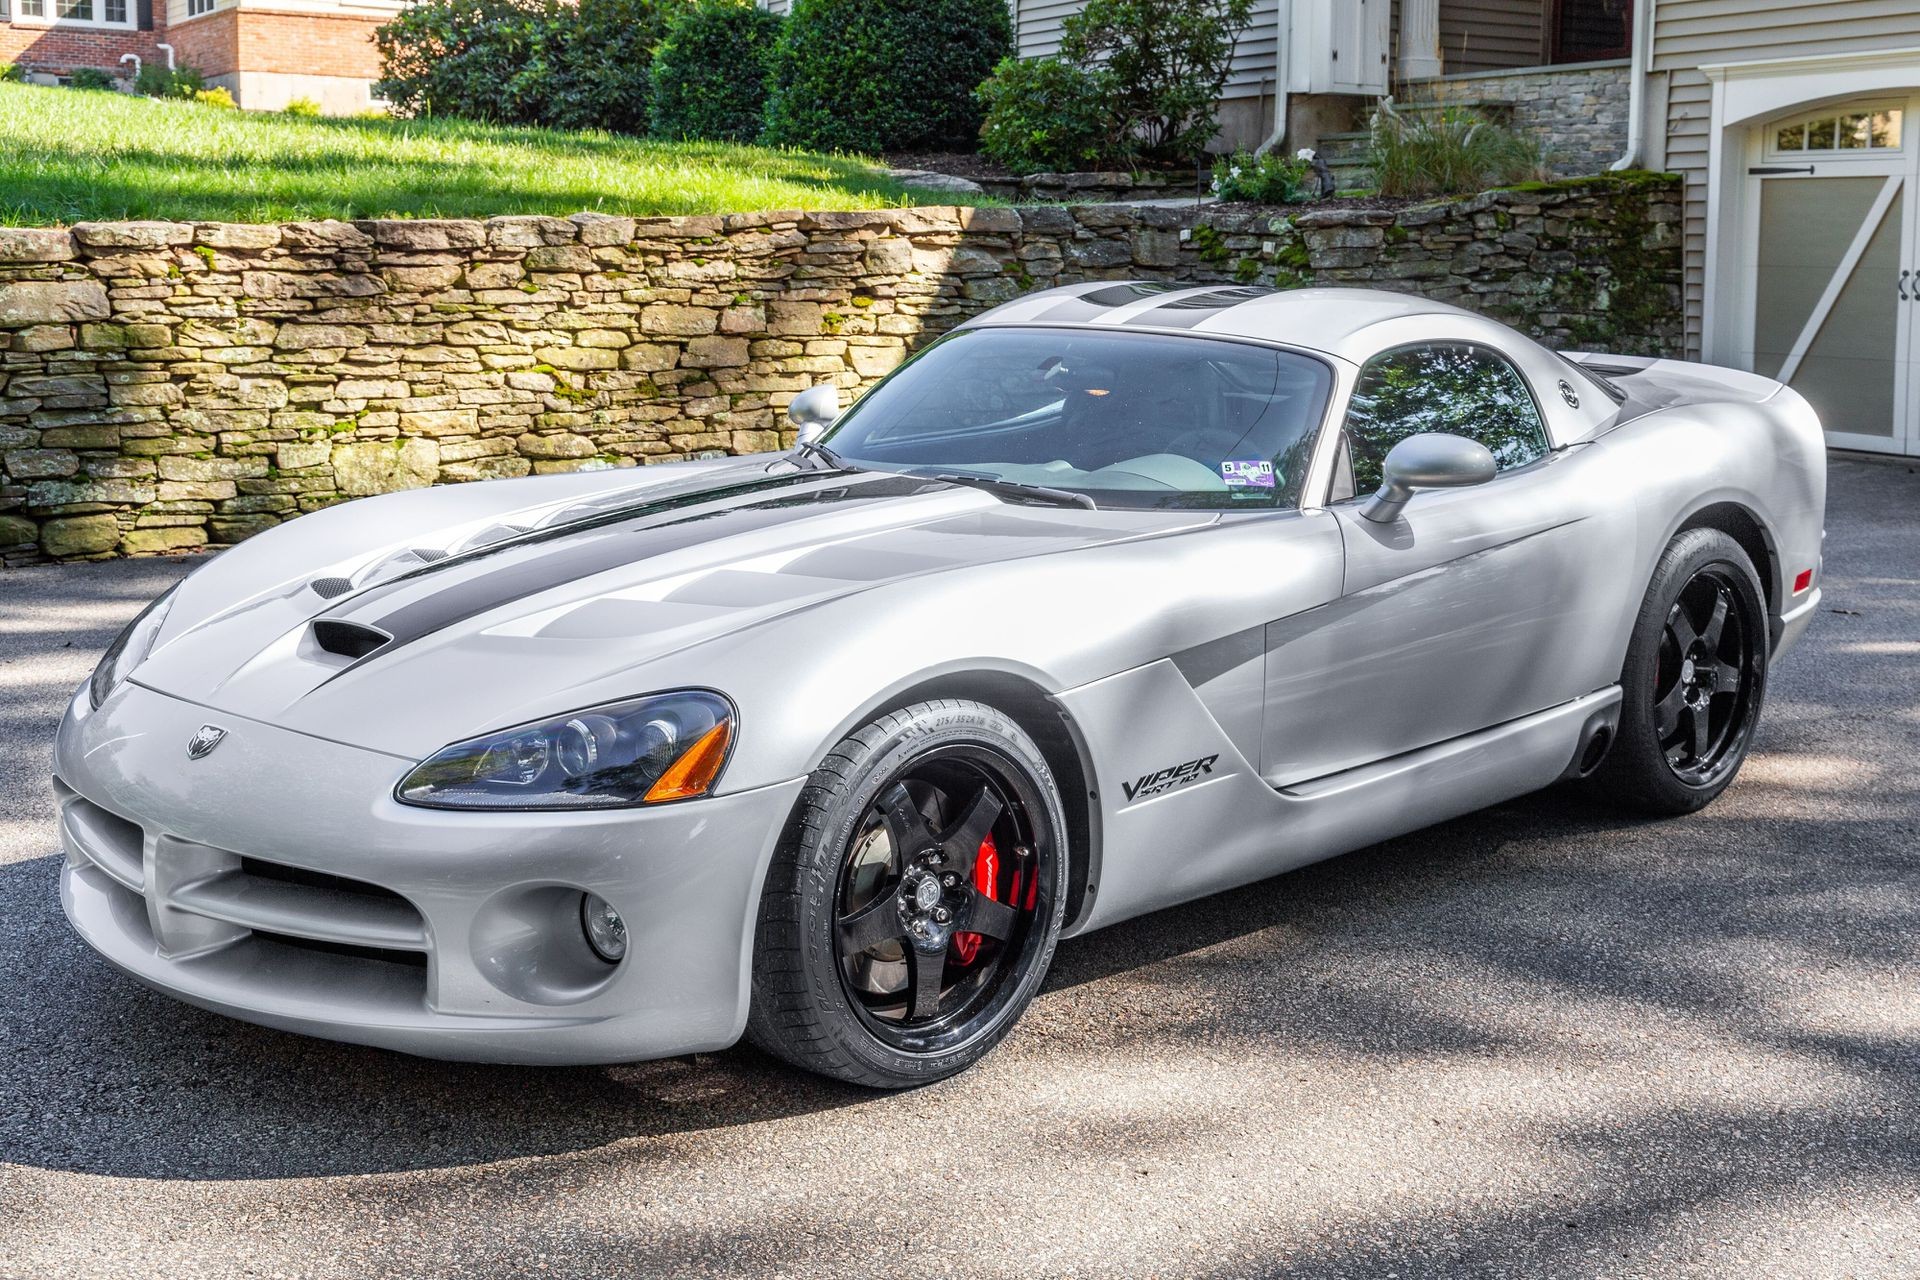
348,639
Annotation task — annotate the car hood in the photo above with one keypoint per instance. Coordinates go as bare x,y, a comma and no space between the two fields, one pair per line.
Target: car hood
503,616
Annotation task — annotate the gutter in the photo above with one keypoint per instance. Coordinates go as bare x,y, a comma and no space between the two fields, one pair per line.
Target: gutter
1642,65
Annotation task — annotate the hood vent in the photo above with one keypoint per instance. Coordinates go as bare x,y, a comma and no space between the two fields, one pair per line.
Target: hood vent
329,588
348,639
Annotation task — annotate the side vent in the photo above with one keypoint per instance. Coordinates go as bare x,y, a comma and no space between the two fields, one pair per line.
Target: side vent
329,588
348,639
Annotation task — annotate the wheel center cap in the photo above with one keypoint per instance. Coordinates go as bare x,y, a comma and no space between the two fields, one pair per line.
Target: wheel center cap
1686,671
926,894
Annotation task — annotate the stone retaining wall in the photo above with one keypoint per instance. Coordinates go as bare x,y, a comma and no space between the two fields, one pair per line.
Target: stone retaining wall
1579,112
165,386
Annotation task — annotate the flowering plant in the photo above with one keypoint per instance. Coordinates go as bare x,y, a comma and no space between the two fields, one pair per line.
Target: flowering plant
1265,179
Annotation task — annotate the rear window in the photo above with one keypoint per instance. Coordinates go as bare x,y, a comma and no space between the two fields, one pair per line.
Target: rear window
1130,420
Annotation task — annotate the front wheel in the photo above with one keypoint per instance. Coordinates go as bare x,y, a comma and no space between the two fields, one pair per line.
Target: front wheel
1694,679
913,907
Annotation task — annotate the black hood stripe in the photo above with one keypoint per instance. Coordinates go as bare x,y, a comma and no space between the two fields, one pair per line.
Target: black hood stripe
1193,309
567,553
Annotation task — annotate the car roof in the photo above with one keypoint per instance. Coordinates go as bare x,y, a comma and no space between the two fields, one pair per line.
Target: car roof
1332,321
1351,325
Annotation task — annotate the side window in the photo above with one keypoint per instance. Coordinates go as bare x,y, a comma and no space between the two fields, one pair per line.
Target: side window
1441,386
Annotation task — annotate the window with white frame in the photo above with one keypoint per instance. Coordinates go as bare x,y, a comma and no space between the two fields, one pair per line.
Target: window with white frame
197,7
75,13
1858,129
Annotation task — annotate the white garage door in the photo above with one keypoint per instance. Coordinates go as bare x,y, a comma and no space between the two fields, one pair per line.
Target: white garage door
1834,275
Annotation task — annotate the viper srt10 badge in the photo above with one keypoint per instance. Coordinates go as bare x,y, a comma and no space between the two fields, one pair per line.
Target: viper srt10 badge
1176,775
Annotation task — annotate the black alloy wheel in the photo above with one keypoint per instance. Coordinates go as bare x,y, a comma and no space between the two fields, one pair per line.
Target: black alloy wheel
913,906
1694,679
1706,677
935,911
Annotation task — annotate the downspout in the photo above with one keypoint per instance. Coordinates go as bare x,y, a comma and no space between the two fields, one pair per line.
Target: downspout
1641,64
1282,60
168,50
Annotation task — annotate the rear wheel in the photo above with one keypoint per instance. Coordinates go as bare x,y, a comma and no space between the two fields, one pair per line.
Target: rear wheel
913,908
1694,679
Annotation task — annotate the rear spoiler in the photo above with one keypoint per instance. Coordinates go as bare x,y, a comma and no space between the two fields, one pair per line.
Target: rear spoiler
1655,384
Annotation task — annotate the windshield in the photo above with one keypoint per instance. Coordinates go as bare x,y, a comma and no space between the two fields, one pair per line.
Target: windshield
1126,419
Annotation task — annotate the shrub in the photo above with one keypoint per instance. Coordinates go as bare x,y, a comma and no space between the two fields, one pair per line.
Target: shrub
1268,179
539,62
306,108
1168,60
216,97
12,73
156,81
859,75
90,78
1045,115
710,72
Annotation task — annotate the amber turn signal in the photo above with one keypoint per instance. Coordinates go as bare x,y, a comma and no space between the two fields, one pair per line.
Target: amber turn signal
697,767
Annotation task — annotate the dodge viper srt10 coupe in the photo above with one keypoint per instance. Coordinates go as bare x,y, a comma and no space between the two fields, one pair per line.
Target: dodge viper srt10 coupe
1115,596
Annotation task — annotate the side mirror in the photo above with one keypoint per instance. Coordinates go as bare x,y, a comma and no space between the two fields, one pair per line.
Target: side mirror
814,410
1430,460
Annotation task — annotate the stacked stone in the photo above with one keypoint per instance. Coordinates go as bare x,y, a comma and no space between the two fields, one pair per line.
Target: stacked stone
1579,113
166,386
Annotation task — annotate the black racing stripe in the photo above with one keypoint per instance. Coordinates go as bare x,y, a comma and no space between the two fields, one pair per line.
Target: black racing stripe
534,566
1091,306
1184,313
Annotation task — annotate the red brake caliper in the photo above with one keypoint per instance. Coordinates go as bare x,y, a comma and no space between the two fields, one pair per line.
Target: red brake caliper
986,878
986,874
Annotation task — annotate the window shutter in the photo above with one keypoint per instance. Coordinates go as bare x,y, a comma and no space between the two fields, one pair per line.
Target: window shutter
146,14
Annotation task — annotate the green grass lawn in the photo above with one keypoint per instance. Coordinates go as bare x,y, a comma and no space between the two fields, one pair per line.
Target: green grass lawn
70,155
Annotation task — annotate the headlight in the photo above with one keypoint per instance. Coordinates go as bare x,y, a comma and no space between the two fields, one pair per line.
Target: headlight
670,746
128,650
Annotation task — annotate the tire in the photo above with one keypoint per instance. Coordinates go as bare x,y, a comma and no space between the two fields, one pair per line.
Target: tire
1689,710
931,818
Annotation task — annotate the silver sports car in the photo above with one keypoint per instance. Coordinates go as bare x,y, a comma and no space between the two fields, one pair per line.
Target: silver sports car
1118,595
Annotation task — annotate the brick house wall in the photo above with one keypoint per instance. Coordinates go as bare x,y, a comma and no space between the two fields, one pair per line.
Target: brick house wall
60,50
264,56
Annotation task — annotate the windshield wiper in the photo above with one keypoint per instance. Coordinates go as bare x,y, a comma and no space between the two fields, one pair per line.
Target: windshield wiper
827,457
1016,490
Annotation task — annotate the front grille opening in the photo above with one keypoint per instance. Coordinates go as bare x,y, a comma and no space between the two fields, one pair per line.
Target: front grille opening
383,955
348,639
315,879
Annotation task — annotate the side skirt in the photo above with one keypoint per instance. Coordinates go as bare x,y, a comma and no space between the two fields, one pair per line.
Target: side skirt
1230,827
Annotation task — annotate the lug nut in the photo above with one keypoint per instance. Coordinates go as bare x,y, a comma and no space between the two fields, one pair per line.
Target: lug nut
942,914
950,880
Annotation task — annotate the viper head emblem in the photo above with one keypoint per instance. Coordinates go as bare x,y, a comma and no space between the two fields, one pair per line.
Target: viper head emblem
204,740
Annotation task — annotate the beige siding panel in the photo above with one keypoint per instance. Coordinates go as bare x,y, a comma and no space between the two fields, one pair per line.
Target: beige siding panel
1490,35
1689,116
1689,33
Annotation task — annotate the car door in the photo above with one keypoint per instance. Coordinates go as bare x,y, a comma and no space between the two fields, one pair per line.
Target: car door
1477,606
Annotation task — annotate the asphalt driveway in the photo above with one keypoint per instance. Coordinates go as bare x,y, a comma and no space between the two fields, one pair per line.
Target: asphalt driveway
1539,1041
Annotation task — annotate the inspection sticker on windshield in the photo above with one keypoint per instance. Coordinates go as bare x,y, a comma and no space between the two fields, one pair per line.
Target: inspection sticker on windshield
1247,475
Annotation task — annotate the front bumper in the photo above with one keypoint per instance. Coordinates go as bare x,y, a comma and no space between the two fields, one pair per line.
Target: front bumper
276,880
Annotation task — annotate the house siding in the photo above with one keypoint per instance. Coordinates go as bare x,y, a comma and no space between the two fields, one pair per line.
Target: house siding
1689,34
1038,24
1491,35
